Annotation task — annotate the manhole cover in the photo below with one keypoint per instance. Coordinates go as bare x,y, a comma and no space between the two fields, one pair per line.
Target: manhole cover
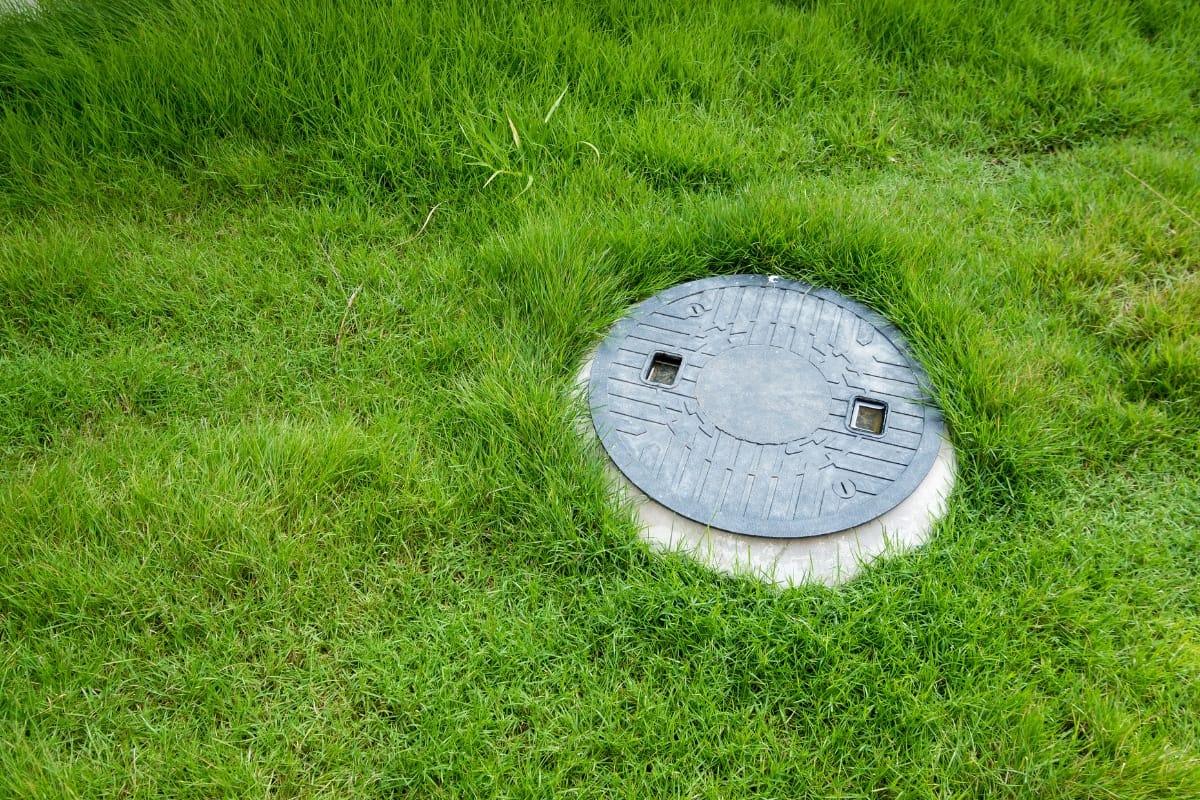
764,406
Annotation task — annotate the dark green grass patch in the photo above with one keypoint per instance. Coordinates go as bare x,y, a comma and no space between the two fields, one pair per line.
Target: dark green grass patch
292,301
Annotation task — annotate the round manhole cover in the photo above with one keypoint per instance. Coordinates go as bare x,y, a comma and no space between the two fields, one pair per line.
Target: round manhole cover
764,406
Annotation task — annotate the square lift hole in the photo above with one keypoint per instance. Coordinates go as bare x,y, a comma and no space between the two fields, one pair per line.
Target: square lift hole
664,369
868,416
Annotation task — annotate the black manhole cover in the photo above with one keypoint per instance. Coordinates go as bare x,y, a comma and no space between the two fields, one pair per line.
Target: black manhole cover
764,406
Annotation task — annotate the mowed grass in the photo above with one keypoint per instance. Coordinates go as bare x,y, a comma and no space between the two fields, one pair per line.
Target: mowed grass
292,297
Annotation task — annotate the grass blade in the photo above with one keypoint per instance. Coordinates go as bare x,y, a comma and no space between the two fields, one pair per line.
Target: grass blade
554,106
512,127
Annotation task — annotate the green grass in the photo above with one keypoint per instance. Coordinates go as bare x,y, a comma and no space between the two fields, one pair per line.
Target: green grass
291,500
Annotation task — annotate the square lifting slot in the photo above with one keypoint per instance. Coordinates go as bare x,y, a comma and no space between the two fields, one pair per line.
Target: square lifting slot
664,369
868,416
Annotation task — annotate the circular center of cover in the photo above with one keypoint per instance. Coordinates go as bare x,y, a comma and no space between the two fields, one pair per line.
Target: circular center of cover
765,395
764,406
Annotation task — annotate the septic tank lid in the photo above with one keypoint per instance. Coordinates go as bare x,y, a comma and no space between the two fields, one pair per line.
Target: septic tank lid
764,406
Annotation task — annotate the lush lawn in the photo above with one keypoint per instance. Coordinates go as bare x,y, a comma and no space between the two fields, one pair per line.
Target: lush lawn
291,502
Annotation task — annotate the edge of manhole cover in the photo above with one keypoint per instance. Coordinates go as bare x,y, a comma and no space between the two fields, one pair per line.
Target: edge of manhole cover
764,406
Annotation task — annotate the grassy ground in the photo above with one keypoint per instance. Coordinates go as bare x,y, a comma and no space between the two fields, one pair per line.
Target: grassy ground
291,503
